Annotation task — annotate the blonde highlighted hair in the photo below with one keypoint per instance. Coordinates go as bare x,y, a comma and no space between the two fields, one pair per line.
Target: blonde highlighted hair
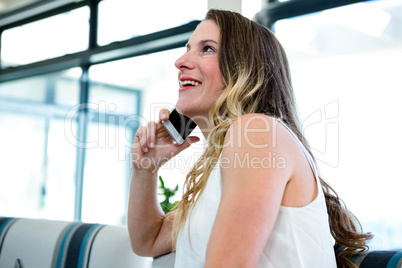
257,79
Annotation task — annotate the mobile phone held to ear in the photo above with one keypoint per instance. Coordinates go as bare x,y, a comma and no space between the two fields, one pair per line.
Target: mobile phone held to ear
179,126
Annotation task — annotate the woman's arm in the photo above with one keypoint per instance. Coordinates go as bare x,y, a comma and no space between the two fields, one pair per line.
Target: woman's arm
148,227
252,190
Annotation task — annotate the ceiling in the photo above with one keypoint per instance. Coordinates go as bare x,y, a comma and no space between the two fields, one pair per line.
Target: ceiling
10,5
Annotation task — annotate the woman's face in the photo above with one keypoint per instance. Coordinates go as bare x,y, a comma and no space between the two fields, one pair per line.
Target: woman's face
200,78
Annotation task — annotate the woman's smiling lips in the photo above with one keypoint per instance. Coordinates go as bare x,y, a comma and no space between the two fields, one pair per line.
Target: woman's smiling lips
186,82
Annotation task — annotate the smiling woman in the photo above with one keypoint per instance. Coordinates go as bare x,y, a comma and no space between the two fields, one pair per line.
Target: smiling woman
245,106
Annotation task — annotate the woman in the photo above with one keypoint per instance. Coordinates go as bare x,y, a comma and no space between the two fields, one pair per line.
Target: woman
254,198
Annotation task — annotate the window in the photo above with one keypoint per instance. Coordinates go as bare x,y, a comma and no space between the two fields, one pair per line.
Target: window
113,117
68,109
44,39
155,76
130,19
37,174
345,64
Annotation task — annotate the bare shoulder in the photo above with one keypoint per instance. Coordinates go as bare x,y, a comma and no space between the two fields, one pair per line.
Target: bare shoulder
252,131
254,120
258,141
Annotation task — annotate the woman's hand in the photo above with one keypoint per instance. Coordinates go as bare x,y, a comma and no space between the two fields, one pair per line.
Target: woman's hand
153,146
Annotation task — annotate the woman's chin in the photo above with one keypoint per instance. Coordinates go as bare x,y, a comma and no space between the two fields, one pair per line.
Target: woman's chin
184,108
187,110
180,107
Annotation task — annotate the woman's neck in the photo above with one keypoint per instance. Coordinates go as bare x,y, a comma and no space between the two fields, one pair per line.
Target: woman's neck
203,123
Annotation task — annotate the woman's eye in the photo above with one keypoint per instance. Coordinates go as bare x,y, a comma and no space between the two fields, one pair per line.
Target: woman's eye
208,49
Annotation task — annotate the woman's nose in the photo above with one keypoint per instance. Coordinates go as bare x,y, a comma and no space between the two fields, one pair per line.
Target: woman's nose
184,62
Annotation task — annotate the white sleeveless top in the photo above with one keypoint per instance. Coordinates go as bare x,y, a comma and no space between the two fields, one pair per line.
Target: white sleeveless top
300,237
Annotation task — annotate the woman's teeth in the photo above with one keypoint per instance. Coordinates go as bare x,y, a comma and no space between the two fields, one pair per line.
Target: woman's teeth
188,82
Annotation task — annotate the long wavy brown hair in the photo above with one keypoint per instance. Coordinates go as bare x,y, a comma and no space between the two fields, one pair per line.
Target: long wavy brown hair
257,79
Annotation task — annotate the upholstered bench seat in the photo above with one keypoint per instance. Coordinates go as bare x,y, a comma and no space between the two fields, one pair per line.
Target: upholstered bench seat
62,244
379,259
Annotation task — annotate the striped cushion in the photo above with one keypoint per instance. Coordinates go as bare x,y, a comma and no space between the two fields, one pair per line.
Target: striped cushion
61,244
379,259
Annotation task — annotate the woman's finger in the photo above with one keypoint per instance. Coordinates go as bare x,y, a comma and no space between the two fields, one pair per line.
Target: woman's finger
151,134
137,138
143,139
163,115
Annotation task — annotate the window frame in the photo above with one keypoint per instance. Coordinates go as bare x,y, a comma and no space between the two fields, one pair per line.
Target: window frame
276,10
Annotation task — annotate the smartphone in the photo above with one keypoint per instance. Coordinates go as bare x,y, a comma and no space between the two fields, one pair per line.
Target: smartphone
179,126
